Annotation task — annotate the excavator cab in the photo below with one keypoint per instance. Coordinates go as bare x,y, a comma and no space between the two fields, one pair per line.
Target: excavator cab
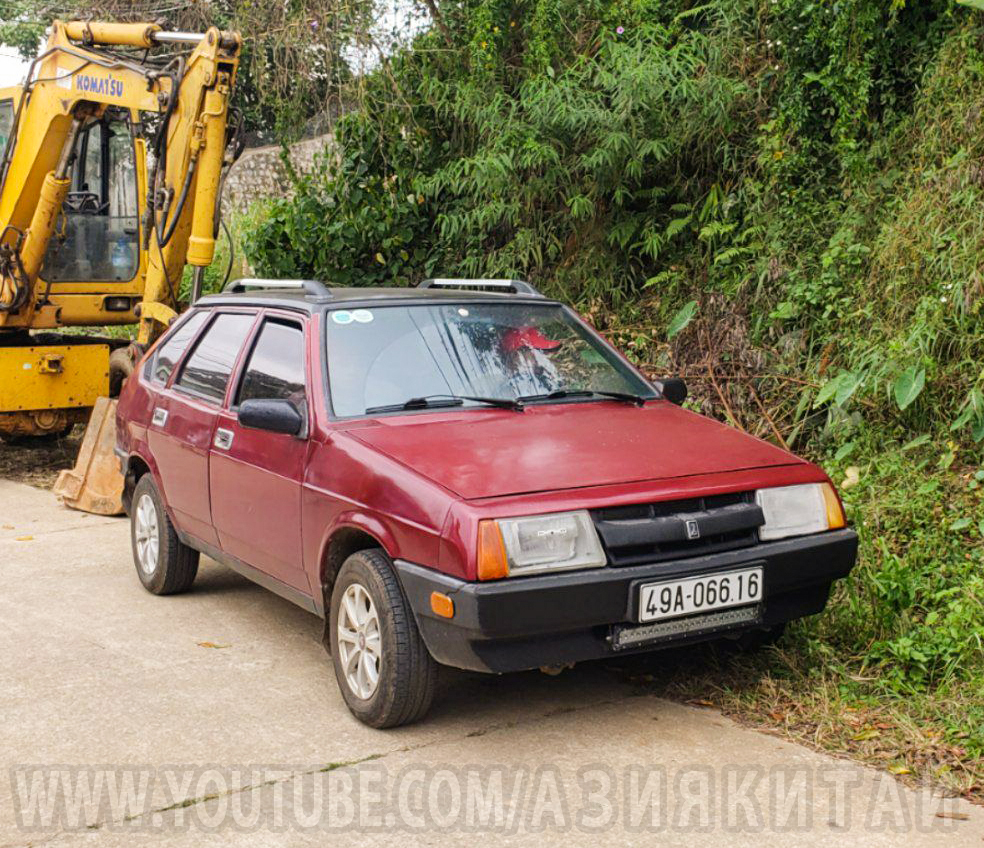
96,237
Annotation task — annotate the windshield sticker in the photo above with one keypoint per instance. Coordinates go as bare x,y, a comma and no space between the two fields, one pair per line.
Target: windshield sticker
342,317
363,316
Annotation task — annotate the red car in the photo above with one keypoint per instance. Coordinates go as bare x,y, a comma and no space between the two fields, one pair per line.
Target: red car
463,473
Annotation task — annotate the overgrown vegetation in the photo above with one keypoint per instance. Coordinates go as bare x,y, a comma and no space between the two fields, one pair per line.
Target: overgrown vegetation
782,200
292,66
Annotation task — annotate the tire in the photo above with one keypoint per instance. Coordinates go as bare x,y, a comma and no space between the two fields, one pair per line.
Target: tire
405,672
169,567
120,368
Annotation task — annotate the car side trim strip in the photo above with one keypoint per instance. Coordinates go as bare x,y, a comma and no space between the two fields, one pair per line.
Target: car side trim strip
289,593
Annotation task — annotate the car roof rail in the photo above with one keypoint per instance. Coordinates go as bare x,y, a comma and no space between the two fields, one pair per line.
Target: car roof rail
517,286
316,290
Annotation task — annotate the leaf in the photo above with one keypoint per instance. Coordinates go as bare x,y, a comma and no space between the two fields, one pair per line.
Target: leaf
24,539
784,311
849,385
864,735
681,319
212,645
840,388
900,770
852,476
675,226
960,524
908,385
973,4
916,442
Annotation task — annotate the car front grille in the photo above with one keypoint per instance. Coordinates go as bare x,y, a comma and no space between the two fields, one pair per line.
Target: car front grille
654,532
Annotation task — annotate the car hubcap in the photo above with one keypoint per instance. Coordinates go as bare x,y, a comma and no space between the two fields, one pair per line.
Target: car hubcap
359,641
147,534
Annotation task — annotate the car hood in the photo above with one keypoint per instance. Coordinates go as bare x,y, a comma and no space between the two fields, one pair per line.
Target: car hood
493,453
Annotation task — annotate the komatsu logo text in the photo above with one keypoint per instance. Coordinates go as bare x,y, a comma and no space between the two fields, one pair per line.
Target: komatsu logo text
99,85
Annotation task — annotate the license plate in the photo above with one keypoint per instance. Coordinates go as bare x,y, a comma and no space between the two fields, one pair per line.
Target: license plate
672,598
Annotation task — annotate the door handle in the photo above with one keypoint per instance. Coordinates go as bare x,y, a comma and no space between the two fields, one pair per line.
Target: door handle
159,418
223,438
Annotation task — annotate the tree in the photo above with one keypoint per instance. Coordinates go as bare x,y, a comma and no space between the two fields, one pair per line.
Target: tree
293,63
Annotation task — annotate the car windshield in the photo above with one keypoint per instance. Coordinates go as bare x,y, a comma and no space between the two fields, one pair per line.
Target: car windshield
386,356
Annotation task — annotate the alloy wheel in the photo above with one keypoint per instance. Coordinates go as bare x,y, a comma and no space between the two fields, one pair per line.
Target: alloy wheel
359,641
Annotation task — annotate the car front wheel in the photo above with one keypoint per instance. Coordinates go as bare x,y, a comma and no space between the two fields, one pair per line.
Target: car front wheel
384,671
165,566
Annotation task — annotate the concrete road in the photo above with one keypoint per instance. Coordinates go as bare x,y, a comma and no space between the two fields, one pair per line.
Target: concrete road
213,718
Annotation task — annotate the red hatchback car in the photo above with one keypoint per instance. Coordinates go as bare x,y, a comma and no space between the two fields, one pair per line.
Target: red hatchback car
463,473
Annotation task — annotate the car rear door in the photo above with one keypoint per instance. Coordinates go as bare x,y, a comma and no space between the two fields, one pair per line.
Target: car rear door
256,476
184,419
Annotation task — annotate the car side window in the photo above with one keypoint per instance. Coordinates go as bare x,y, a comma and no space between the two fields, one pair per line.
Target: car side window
276,366
206,372
173,347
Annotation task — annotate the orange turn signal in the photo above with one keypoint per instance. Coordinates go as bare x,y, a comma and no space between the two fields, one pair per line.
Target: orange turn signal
442,605
492,562
835,512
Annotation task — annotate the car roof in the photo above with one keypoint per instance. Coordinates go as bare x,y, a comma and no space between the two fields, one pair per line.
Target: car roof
299,299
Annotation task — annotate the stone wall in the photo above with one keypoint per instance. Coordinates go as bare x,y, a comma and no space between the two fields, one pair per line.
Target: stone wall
260,172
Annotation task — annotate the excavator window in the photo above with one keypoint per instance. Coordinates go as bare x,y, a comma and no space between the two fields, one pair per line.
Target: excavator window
96,235
6,122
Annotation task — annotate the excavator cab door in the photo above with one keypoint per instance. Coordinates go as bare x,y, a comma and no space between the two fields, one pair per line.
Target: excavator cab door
96,236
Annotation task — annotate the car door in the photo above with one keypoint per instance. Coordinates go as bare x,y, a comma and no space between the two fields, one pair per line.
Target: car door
184,419
256,476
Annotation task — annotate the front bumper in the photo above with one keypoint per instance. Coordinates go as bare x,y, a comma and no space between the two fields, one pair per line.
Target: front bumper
553,619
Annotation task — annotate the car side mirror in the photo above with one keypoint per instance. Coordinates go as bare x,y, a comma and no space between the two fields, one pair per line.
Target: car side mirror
674,390
275,416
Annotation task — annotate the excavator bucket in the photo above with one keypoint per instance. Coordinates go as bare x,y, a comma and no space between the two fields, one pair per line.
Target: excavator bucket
96,483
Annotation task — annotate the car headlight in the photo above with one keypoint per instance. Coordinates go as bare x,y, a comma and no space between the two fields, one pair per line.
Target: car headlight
798,510
512,547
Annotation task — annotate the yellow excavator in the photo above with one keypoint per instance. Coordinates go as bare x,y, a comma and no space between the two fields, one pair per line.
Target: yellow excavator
112,158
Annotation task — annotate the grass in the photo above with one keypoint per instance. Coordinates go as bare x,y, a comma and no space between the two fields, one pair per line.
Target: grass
892,673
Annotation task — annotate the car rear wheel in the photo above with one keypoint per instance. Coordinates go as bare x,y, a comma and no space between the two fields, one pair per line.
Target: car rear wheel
165,566
384,671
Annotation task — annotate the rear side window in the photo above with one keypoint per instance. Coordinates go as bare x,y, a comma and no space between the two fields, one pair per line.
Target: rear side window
276,366
170,351
207,370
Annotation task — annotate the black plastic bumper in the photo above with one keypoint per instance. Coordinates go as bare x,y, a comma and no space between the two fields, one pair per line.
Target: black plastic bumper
528,622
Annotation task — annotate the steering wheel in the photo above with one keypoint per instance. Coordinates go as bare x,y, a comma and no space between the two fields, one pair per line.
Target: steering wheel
84,202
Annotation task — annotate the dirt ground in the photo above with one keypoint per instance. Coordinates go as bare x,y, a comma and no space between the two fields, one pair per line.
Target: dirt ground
38,461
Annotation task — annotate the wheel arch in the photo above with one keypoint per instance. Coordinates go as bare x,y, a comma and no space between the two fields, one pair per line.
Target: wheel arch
136,467
346,538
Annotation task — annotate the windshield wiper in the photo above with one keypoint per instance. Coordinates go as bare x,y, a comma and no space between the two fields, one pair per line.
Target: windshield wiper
438,401
560,394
